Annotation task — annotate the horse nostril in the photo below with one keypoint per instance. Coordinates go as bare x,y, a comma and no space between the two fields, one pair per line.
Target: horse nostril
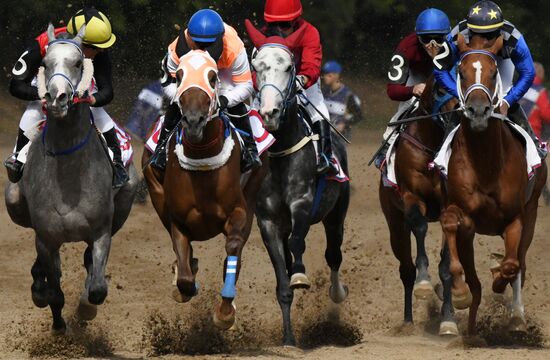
48,96
62,97
201,119
274,112
487,110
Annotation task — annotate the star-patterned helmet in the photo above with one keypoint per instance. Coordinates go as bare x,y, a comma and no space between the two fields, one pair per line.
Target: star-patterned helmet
98,28
484,17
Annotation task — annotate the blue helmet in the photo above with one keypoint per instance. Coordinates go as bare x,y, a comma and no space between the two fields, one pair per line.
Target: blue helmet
205,26
332,67
432,21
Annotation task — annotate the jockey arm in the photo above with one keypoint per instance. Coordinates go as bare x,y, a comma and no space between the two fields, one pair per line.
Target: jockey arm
103,79
443,65
312,55
23,73
521,57
242,80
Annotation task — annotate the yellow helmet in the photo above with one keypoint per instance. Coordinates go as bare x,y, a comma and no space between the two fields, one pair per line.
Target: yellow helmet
98,28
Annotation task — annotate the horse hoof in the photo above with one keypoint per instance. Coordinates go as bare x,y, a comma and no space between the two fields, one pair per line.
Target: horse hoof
299,281
423,290
59,329
448,328
179,297
39,299
86,311
517,324
338,296
462,301
224,322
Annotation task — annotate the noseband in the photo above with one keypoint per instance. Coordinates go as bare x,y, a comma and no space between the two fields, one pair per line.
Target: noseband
290,97
496,95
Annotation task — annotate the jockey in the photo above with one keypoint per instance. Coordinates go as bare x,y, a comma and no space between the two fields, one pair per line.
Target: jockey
536,104
207,31
485,19
283,17
343,105
97,38
411,65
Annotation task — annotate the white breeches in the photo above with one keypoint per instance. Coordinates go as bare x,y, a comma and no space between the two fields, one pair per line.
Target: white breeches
315,97
33,114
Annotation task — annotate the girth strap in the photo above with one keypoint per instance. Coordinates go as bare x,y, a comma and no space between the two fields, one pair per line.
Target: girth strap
305,140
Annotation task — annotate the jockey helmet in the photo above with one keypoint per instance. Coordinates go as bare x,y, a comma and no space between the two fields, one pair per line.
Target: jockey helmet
98,28
332,67
205,26
485,17
432,21
282,10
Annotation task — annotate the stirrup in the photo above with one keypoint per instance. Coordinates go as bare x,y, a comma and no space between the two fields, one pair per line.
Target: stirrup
158,159
250,160
120,175
325,166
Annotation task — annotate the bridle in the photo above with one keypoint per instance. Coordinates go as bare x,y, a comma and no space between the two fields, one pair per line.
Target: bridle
495,98
290,97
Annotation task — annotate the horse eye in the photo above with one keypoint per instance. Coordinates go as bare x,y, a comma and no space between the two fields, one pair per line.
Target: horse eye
288,68
78,63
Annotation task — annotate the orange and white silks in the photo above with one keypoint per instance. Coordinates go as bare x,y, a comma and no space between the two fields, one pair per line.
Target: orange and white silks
193,71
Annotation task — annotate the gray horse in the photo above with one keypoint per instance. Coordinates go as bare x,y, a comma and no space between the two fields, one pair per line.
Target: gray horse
287,204
66,192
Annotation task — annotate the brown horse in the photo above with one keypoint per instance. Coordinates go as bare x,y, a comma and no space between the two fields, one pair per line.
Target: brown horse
489,191
200,196
417,202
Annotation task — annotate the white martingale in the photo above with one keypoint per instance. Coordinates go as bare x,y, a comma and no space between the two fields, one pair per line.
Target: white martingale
398,67
477,65
207,164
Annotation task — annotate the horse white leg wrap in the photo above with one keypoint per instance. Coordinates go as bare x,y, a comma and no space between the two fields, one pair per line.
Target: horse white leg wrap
517,303
228,290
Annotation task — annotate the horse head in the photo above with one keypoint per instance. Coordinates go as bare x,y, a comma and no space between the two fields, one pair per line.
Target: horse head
197,94
479,84
65,73
275,72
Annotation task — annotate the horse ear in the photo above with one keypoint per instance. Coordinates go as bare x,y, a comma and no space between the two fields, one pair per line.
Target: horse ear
80,36
258,39
461,43
51,32
497,46
296,37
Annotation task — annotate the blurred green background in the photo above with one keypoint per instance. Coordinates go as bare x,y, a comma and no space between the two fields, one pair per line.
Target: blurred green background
359,33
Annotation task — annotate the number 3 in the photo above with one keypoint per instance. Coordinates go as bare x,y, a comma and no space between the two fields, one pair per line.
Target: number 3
398,67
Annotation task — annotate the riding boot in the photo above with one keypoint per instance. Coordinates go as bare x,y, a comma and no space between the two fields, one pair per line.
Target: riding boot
14,166
518,116
250,158
171,118
120,175
381,155
324,165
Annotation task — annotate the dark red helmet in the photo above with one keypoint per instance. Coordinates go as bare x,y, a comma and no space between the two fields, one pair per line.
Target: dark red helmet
282,10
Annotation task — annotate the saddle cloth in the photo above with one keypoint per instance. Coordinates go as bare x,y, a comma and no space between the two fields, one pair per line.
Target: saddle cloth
441,161
124,139
263,138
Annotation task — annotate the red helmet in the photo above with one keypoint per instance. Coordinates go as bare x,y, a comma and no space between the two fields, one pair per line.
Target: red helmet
282,10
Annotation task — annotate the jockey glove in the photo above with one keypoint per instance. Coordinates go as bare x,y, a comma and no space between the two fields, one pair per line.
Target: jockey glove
223,102
301,82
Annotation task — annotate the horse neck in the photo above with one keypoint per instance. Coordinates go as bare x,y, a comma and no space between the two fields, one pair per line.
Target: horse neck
211,144
485,149
426,130
67,132
290,130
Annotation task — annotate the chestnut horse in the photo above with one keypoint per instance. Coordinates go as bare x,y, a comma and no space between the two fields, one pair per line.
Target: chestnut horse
417,202
200,196
489,191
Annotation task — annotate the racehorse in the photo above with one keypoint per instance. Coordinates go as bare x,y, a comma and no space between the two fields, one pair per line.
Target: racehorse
66,192
488,189
292,197
199,196
416,200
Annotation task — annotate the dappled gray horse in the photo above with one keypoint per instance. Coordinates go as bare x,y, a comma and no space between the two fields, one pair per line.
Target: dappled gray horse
286,203
66,192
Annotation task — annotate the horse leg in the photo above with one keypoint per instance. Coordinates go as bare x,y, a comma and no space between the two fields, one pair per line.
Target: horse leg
273,238
415,215
297,244
466,253
224,316
448,324
334,232
186,285
97,289
49,259
87,310
510,264
39,288
456,224
400,239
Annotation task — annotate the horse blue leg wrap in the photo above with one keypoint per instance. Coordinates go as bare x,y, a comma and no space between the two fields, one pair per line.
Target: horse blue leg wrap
228,290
